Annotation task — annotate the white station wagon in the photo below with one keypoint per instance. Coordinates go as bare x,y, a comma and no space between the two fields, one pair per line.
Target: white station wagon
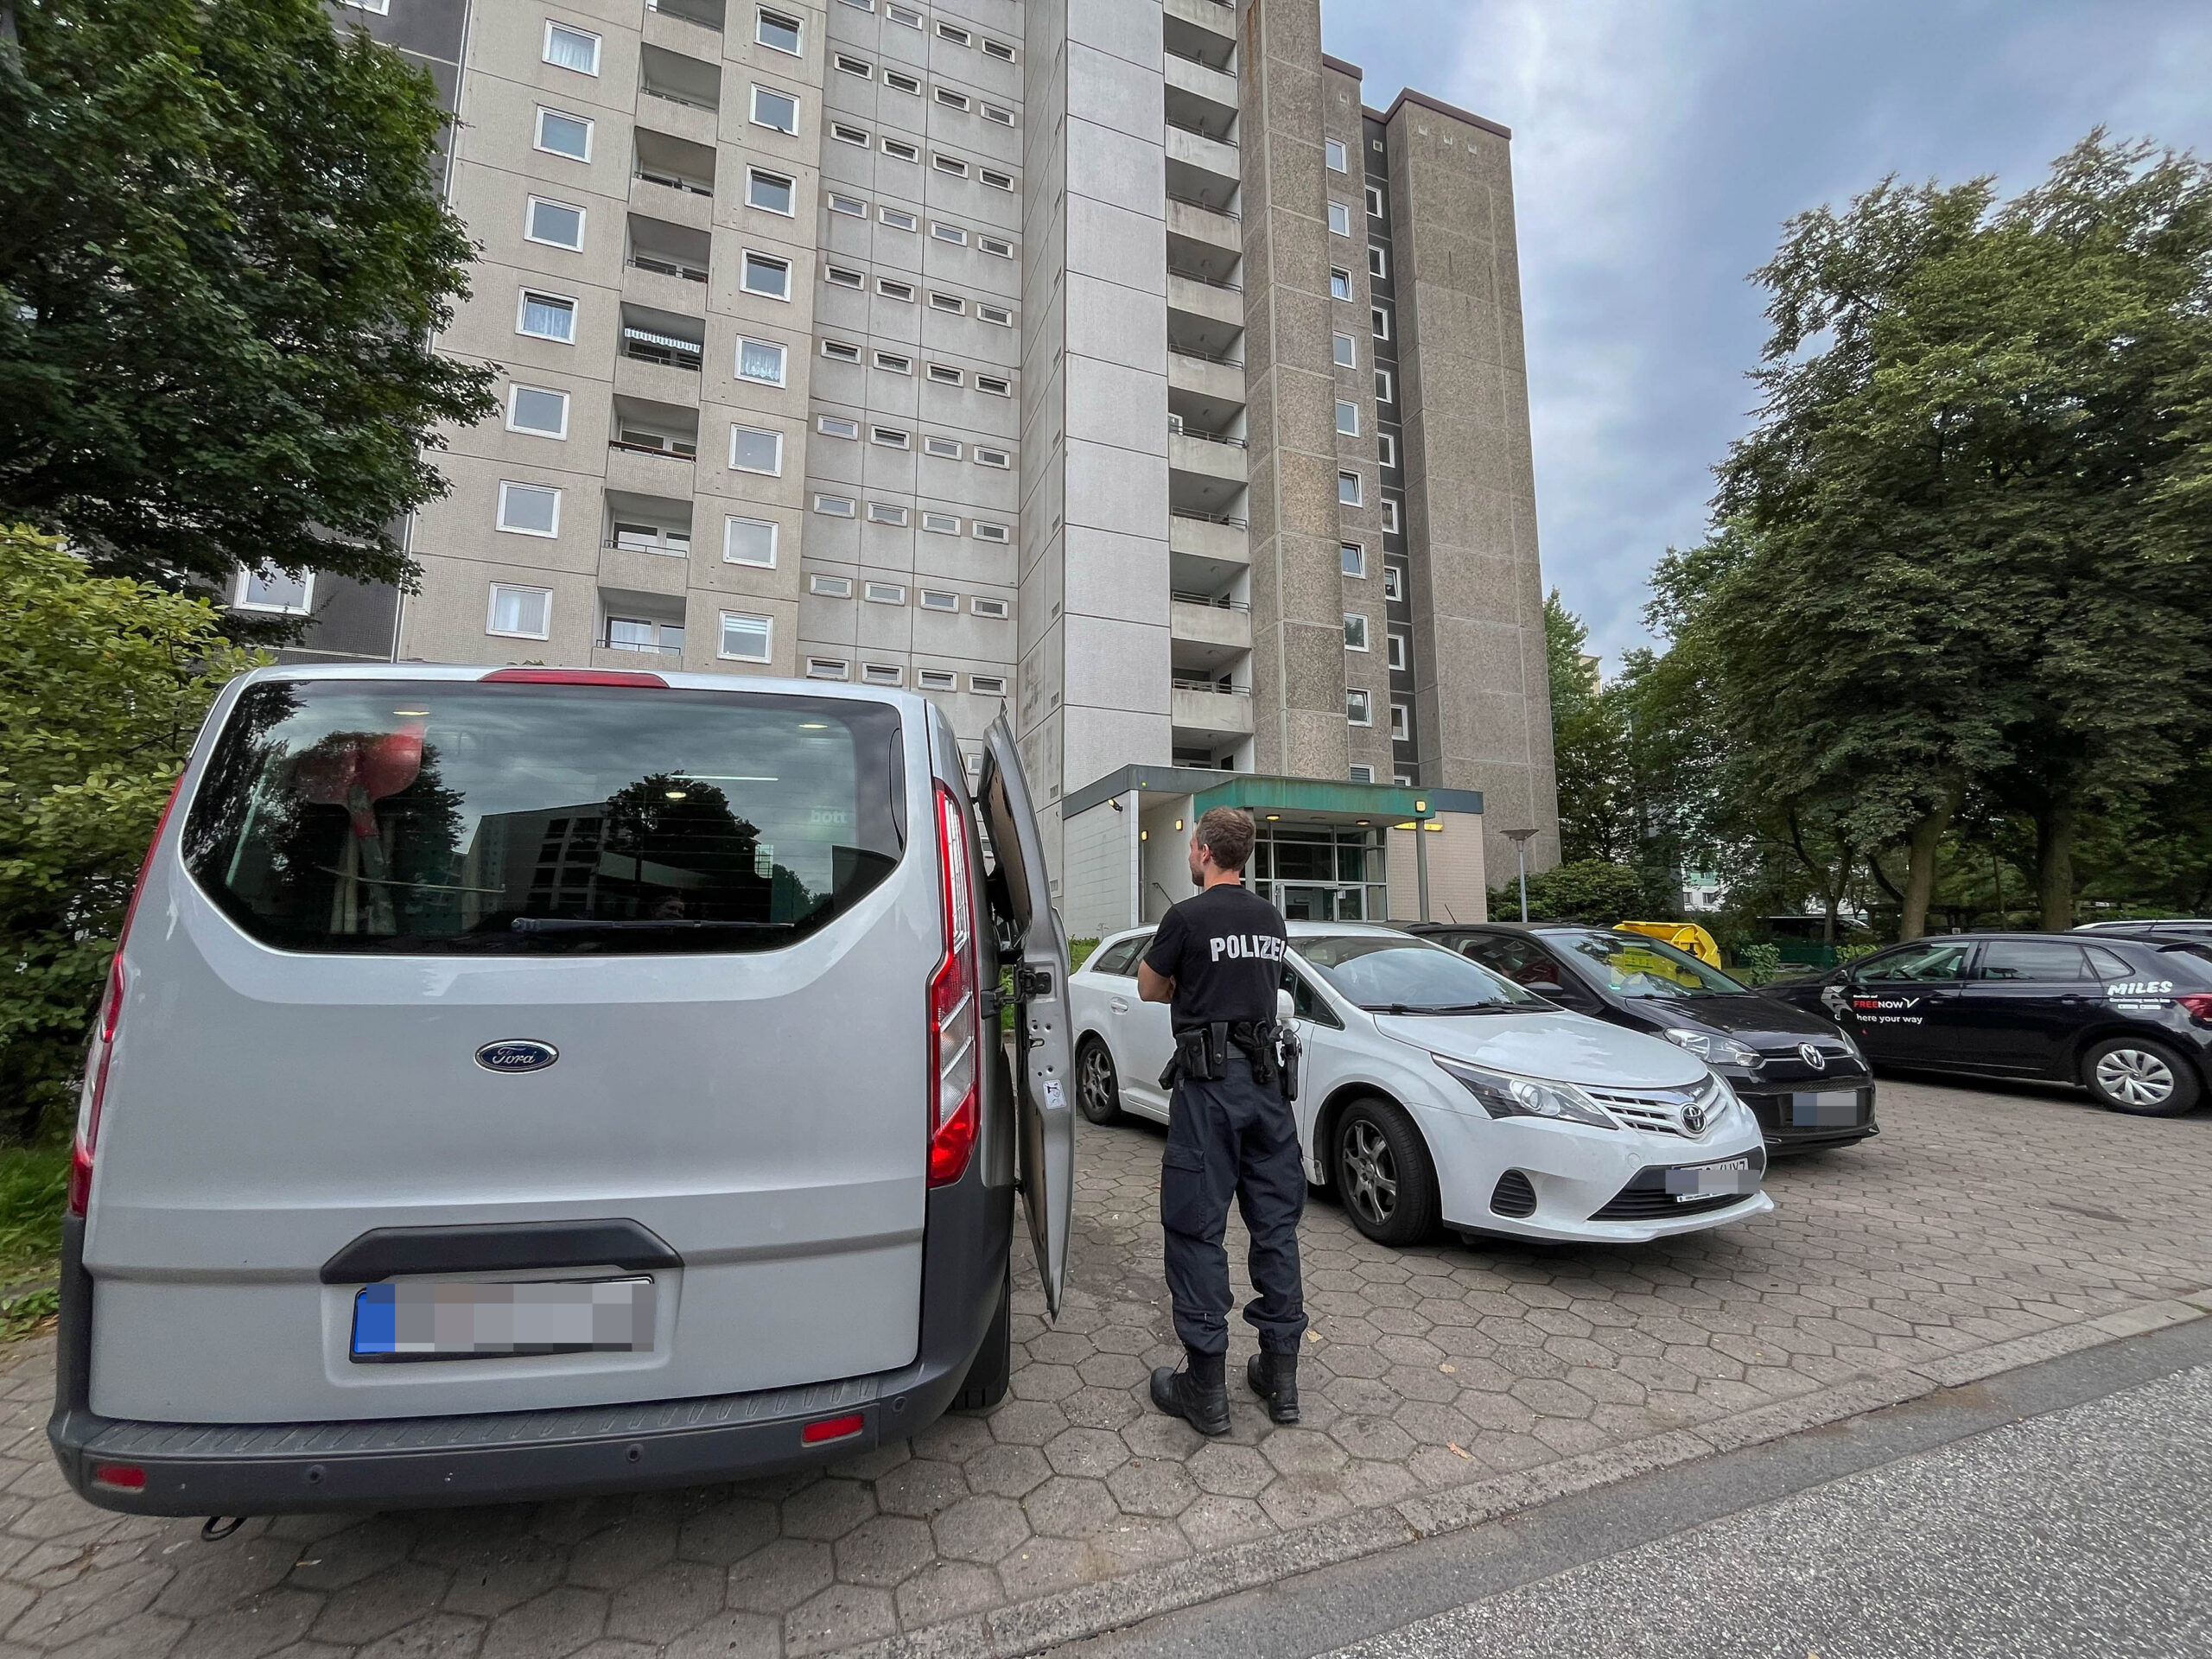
1437,1093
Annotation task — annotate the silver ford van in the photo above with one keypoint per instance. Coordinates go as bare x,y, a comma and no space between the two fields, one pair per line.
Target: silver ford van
527,1082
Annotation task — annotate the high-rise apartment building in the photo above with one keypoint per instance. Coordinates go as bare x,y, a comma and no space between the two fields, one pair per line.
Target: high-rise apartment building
1108,361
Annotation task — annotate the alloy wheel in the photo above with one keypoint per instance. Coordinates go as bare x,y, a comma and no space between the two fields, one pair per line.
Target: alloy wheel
1368,1172
2137,1076
1097,1083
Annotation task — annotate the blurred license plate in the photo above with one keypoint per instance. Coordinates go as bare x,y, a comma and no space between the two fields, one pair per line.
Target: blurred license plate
1831,1108
1708,1181
424,1319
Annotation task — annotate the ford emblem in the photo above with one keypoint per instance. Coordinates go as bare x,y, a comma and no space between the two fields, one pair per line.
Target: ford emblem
517,1054
1812,1056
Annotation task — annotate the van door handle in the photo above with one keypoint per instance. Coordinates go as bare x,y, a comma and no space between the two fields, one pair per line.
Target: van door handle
1117,1005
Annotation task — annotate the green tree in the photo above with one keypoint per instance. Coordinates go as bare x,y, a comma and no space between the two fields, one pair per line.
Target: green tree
1589,745
225,254
1588,891
104,682
1975,519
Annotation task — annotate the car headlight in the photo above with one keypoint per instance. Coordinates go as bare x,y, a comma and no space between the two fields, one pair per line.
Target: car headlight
1505,1096
1713,1050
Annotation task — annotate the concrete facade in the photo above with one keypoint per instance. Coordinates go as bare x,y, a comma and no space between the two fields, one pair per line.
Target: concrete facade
1107,361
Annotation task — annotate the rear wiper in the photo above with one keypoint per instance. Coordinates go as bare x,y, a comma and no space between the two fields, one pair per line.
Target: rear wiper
1434,1007
583,925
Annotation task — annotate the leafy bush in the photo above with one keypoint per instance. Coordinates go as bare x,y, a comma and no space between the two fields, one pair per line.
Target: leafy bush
1847,954
1759,963
34,1180
1589,890
104,682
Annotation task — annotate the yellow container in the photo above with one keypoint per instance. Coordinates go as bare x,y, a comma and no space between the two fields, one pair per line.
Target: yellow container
1683,936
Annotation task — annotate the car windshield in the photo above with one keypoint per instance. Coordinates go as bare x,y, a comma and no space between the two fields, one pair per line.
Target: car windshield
1399,976
1640,966
450,816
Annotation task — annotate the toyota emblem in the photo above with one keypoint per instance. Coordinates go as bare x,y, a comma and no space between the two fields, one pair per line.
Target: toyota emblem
1693,1118
1811,1056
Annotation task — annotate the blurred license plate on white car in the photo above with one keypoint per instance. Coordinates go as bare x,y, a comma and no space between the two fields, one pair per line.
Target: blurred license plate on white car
1709,1180
423,1319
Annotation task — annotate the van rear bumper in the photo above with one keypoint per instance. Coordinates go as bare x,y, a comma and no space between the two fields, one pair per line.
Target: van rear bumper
228,1469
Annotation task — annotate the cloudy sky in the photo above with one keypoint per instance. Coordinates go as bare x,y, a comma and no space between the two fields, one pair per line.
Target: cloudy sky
1659,145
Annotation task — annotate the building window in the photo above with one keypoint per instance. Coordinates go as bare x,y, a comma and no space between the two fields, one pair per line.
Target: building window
897,218
776,30
883,674
988,685
1362,774
635,633
768,277
1339,284
751,450
905,15
998,458
1349,490
893,363
560,134
842,350
1334,149
951,99
1347,353
951,164
749,541
769,191
987,532
1385,448
848,64
831,587
951,233
952,303
954,33
900,83
1374,201
937,679
884,593
998,49
1394,582
943,448
935,599
538,411
996,248
945,375
1386,386
1398,656
1347,418
529,509
760,361
1391,514
1400,722
1359,709
520,612
845,135
776,111
834,506
1353,558
996,181
653,539
1403,780
571,48
997,315
1355,631
746,639
836,426
903,292
827,668
546,316
556,224
996,386
1380,321
884,513
890,437
1378,260
899,149
1339,219
839,277
851,206
941,524
997,609
992,113
269,589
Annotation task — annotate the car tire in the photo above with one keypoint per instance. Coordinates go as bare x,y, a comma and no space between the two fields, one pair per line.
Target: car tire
1097,1085
992,1369
1384,1175
2137,1075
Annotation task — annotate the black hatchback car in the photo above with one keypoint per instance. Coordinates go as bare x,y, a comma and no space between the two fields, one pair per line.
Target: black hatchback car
1803,1078
2128,1017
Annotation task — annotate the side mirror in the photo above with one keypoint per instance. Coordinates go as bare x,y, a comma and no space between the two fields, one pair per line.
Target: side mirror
1546,987
1286,1006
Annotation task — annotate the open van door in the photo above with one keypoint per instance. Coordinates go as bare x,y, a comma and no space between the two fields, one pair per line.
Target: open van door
1021,894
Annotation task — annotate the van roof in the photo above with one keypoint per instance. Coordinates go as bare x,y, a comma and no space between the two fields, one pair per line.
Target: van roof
672,680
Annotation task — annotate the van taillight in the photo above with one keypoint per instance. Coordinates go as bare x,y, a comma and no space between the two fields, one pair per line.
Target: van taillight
956,1025
103,1049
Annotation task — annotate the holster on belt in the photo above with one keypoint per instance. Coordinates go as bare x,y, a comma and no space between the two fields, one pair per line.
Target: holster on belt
1202,1053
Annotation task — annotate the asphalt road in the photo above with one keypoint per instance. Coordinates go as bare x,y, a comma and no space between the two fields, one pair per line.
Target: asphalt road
2064,1510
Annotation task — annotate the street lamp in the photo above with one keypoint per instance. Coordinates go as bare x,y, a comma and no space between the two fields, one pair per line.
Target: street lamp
1519,838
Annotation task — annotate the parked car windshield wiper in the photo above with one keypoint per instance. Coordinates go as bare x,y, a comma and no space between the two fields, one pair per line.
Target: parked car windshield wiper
1436,1007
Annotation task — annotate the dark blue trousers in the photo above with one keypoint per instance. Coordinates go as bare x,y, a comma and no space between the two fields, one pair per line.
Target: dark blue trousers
1232,1136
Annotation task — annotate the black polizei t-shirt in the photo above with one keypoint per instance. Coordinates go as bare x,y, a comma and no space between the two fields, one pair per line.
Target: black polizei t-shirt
1224,949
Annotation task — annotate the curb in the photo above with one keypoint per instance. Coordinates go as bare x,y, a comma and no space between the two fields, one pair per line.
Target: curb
1030,1627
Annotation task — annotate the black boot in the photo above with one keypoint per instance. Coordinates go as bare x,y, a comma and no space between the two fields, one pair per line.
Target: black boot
1197,1394
1274,1378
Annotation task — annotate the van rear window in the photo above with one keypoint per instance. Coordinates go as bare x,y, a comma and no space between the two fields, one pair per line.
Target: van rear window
451,817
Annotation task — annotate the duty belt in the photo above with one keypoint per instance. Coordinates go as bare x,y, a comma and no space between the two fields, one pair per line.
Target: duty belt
1202,1053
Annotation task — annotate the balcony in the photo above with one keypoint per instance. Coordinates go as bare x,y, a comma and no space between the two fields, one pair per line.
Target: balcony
1200,97
1204,318
1209,245
651,448
1205,30
672,179
659,357
1208,392
646,545
1202,169
1207,552
1208,633
679,94
1207,715
1206,472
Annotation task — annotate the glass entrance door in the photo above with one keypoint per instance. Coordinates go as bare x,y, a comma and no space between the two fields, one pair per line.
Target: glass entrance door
1301,903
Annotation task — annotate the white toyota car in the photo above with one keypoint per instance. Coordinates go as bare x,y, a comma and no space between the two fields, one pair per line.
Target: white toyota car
1435,1092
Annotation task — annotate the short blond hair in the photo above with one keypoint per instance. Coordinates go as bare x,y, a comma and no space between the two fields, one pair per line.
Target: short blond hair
1227,832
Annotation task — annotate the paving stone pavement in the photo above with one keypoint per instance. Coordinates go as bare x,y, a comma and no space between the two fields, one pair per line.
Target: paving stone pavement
1978,1217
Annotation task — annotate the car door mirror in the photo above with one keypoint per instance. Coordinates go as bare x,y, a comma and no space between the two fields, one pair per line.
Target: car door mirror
1286,1006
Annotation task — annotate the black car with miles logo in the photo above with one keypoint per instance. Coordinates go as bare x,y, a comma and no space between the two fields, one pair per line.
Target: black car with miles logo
1803,1078
2127,1017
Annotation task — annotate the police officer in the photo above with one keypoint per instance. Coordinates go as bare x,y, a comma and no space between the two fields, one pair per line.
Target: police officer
1218,960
